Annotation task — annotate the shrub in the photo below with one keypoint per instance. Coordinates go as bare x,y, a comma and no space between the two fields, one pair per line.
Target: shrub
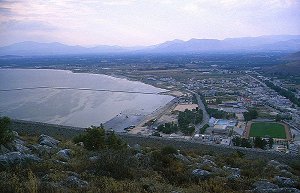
6,134
168,150
96,138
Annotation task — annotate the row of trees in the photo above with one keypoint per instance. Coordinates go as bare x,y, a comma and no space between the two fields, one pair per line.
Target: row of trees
186,122
283,92
187,117
258,142
219,114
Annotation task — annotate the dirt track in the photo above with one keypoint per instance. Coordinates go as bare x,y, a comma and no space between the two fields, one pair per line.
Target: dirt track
246,133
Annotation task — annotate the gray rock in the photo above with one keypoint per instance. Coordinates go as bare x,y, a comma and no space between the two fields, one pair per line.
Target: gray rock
264,184
278,190
139,156
3,149
233,171
137,148
43,150
16,158
285,182
286,173
278,166
75,182
16,134
233,177
19,146
208,163
47,140
202,174
71,173
183,158
94,158
64,154
209,157
61,162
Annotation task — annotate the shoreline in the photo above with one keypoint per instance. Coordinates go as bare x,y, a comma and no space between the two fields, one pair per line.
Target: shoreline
119,121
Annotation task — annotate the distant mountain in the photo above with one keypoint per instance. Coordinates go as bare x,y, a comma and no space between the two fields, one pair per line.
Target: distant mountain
292,67
34,48
285,43
262,43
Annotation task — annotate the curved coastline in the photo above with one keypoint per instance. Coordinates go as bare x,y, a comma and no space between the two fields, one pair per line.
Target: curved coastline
136,85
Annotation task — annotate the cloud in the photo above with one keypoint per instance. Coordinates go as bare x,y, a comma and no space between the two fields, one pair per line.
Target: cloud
5,11
15,25
118,2
133,22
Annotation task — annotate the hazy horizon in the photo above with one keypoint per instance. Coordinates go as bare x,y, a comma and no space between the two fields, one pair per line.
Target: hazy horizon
144,23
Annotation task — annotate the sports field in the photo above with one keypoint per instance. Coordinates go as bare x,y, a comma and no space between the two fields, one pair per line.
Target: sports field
263,129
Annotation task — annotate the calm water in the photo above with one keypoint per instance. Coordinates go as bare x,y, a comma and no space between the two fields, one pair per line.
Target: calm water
73,107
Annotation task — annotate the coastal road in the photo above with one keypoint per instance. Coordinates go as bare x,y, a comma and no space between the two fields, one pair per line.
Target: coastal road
205,119
154,115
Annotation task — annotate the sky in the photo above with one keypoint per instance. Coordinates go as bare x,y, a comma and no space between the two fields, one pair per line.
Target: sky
143,22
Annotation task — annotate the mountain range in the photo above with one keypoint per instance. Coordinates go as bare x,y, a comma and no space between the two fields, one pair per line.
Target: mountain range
283,43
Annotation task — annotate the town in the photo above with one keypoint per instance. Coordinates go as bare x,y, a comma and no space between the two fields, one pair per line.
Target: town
233,105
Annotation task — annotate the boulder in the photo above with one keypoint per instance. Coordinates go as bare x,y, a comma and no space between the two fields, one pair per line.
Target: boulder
75,182
183,158
207,163
286,173
137,148
233,171
278,166
3,150
264,184
16,134
278,190
43,150
139,156
209,157
202,174
94,158
285,182
16,158
19,146
47,140
64,154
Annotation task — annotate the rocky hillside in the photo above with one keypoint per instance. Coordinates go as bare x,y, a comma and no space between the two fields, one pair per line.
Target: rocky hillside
44,164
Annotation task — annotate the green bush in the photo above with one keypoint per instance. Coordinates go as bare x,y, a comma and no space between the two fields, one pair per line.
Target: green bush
96,138
169,150
6,134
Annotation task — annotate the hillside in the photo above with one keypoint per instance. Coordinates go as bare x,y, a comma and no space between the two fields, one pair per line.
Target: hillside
292,67
99,161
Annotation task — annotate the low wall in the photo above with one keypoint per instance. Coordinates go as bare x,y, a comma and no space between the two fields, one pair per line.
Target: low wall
66,132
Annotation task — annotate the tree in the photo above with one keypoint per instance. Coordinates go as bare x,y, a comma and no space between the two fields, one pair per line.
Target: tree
113,141
251,114
236,141
260,143
270,142
203,129
6,134
218,100
246,143
278,118
95,138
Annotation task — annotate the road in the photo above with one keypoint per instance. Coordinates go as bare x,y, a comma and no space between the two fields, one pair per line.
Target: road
154,115
205,114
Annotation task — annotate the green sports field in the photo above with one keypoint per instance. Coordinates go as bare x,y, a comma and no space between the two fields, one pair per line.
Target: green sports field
263,129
